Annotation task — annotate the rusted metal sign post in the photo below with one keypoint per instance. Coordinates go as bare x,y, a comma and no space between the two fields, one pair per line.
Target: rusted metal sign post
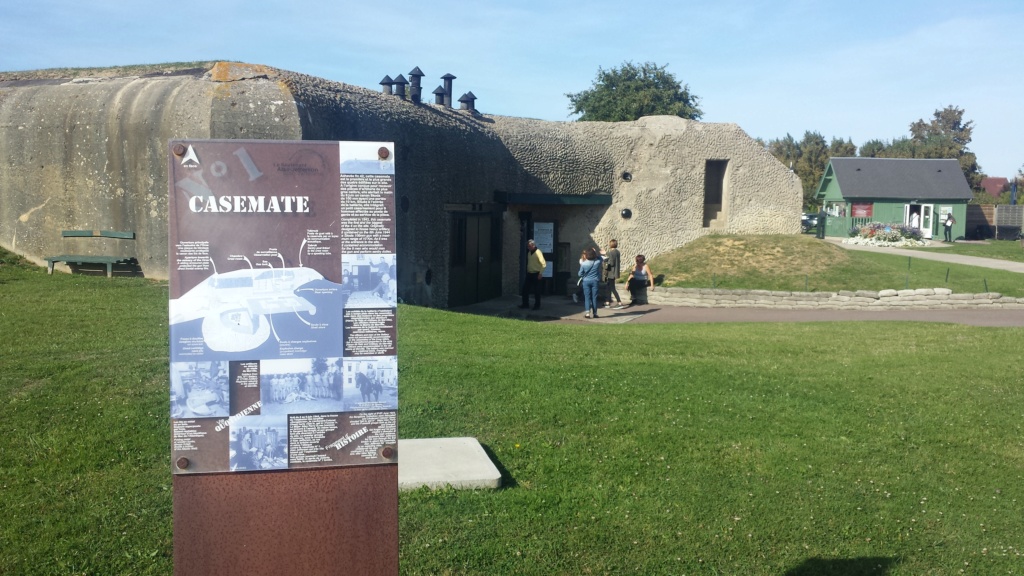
284,376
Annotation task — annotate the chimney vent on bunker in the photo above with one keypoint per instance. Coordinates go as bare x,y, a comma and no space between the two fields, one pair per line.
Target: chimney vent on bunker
415,91
400,84
448,89
468,101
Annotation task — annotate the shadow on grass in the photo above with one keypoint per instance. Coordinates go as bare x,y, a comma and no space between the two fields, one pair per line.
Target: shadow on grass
843,567
507,481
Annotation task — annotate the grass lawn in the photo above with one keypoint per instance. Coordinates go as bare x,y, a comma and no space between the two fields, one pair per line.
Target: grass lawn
84,424
818,448
803,263
716,449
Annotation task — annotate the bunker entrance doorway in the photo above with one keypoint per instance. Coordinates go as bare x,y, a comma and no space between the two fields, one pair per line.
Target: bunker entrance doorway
476,258
714,194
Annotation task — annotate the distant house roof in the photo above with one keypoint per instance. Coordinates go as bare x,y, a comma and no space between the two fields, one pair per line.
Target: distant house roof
995,185
900,178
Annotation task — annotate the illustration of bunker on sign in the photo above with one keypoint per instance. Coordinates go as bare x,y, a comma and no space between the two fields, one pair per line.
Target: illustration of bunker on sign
235,306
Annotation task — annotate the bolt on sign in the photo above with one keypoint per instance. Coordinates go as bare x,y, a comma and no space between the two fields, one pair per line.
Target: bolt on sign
283,294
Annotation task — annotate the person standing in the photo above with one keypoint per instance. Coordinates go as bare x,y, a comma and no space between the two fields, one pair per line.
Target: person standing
379,270
822,217
590,273
338,388
947,227
612,270
578,294
535,265
640,277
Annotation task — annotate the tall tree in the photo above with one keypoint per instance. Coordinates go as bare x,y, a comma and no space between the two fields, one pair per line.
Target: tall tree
872,149
947,123
807,158
632,91
840,148
811,165
900,148
947,136
785,150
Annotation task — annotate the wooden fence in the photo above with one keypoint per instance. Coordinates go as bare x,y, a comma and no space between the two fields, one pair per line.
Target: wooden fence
1000,221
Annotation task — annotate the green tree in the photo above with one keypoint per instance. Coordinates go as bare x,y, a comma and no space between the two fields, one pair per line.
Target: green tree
900,148
814,156
632,91
947,123
947,136
872,149
785,150
807,158
983,197
840,148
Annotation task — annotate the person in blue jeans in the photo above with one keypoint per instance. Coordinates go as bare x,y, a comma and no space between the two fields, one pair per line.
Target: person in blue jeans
590,273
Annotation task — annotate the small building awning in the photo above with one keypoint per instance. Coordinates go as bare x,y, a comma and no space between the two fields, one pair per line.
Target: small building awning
553,199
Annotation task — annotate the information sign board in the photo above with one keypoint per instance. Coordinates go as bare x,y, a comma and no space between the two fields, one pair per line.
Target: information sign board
282,315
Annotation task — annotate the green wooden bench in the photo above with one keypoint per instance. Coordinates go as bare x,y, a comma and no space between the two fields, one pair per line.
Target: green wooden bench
82,259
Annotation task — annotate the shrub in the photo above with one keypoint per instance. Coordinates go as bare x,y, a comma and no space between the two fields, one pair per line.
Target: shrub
881,234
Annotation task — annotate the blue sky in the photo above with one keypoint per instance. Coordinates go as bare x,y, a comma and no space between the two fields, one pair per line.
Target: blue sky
859,70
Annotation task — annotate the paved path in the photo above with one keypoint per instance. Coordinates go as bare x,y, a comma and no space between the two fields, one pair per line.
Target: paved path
934,252
562,308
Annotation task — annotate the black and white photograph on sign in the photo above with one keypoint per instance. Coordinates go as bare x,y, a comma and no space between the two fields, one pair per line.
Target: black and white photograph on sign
372,280
301,386
259,443
366,158
371,383
199,389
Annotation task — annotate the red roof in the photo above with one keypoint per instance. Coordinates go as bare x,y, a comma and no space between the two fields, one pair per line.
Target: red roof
995,185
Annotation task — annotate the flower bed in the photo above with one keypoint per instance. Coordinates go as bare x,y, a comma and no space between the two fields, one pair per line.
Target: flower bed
879,234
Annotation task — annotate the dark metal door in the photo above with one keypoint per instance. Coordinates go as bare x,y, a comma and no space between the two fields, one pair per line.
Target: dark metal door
476,259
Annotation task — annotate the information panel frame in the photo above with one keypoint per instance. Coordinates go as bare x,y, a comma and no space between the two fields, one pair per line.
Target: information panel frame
283,302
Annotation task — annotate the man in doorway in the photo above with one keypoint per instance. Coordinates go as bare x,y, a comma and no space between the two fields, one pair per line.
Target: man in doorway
535,265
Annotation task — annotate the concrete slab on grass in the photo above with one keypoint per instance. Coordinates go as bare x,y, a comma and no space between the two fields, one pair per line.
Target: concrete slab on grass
438,462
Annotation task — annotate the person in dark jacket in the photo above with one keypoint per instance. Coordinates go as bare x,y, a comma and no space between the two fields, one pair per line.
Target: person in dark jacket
612,271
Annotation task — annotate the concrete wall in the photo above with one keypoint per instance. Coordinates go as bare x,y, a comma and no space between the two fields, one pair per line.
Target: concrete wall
665,157
92,154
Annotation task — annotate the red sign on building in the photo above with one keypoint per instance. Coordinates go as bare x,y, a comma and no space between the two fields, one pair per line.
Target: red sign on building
864,210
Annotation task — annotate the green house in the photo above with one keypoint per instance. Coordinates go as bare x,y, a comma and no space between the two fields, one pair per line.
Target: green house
916,192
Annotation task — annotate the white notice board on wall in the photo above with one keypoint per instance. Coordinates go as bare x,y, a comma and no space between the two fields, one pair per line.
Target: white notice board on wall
544,236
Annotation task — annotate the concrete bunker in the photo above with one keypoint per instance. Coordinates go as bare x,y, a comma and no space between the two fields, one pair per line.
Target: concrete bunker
90,153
